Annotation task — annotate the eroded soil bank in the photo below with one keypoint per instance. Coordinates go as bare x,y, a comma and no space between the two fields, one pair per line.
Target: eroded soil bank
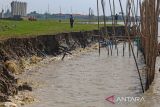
12,51
49,44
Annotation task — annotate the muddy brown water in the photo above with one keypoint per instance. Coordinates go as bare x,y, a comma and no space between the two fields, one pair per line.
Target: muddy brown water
87,80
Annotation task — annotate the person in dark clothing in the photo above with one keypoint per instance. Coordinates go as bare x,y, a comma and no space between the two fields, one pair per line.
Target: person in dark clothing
116,18
71,21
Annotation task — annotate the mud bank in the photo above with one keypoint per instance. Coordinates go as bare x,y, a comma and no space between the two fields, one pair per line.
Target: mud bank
43,45
49,44
7,84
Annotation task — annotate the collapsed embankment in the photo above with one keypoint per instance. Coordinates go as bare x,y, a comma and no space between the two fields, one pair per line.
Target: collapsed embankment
48,44
16,48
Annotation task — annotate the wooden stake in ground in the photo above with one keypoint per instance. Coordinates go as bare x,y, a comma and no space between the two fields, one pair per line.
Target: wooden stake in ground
98,27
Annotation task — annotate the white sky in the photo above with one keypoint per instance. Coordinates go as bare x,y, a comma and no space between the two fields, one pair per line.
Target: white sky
78,6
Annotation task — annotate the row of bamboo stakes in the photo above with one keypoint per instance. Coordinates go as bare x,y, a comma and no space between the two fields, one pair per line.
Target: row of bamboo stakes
149,36
146,30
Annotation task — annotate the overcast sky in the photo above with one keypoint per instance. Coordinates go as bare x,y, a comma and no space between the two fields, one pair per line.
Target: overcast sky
78,6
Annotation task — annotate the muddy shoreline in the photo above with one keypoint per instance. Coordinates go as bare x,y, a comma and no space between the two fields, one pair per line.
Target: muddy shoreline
13,50
49,44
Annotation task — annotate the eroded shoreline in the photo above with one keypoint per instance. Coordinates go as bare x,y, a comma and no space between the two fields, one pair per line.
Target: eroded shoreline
15,51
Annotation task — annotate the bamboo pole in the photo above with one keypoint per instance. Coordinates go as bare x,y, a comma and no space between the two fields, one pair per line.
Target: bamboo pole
98,28
149,29
132,48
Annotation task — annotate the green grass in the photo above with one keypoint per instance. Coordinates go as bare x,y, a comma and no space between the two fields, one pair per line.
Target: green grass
41,27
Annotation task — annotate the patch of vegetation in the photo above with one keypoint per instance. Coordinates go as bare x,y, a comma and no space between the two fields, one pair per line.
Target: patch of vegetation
25,28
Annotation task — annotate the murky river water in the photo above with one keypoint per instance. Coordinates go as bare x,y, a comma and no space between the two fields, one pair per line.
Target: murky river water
87,80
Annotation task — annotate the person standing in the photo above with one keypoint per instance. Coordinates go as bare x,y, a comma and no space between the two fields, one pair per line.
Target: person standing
116,18
71,21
